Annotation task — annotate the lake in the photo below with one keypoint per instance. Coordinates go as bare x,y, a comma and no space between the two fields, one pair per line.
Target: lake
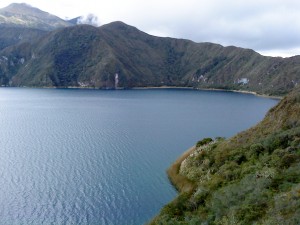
73,156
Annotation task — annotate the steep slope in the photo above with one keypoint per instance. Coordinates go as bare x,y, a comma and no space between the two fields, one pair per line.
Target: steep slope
74,21
68,57
15,35
87,56
23,15
252,178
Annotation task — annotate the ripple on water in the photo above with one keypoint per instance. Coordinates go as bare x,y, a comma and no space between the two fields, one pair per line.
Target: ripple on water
99,157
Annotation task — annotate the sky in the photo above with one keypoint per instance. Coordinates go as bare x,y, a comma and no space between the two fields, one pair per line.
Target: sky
270,27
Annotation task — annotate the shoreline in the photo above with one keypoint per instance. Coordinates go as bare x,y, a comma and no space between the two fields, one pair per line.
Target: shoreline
181,183
242,92
161,87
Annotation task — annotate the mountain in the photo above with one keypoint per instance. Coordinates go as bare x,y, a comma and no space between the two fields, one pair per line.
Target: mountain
14,35
252,178
23,15
87,56
74,21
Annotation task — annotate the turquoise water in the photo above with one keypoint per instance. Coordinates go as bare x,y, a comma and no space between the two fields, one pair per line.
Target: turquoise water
99,157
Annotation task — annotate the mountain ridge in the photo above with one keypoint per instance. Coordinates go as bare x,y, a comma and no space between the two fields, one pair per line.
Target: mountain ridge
86,56
24,15
94,55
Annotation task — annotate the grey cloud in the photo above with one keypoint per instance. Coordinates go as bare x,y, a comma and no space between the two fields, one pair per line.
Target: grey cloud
260,25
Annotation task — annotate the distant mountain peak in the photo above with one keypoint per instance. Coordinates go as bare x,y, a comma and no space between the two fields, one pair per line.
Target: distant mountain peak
12,5
24,15
119,26
22,8
18,5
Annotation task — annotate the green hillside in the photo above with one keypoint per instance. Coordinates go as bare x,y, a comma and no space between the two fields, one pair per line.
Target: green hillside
86,56
251,178
15,35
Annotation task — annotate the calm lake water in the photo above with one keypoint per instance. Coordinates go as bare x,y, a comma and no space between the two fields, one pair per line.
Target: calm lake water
99,157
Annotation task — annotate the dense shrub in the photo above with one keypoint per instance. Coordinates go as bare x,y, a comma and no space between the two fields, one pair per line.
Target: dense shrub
251,212
200,195
288,159
248,179
178,206
204,141
255,150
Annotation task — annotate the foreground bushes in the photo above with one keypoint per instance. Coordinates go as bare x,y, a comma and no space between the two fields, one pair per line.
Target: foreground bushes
241,185
203,142
252,178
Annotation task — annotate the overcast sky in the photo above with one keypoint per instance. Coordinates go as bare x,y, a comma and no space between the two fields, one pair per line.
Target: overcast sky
270,27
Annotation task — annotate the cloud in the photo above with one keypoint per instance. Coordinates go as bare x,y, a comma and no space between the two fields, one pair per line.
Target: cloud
90,19
263,25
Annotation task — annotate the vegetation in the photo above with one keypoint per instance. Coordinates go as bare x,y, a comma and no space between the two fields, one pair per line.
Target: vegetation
181,182
15,35
252,178
204,141
86,56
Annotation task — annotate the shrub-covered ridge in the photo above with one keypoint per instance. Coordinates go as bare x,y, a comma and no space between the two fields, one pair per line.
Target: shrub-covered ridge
252,178
86,56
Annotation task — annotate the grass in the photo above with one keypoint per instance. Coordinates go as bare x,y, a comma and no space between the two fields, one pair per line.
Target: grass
252,178
180,182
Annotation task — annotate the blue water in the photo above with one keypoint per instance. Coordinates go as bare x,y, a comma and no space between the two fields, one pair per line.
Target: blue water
99,157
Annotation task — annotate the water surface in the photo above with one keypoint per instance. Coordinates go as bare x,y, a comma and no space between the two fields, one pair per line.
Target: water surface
99,157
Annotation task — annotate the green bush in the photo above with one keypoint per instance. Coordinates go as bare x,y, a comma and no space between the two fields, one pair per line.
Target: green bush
239,158
177,208
222,156
204,141
201,156
220,139
288,159
286,179
296,143
254,150
200,195
251,212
